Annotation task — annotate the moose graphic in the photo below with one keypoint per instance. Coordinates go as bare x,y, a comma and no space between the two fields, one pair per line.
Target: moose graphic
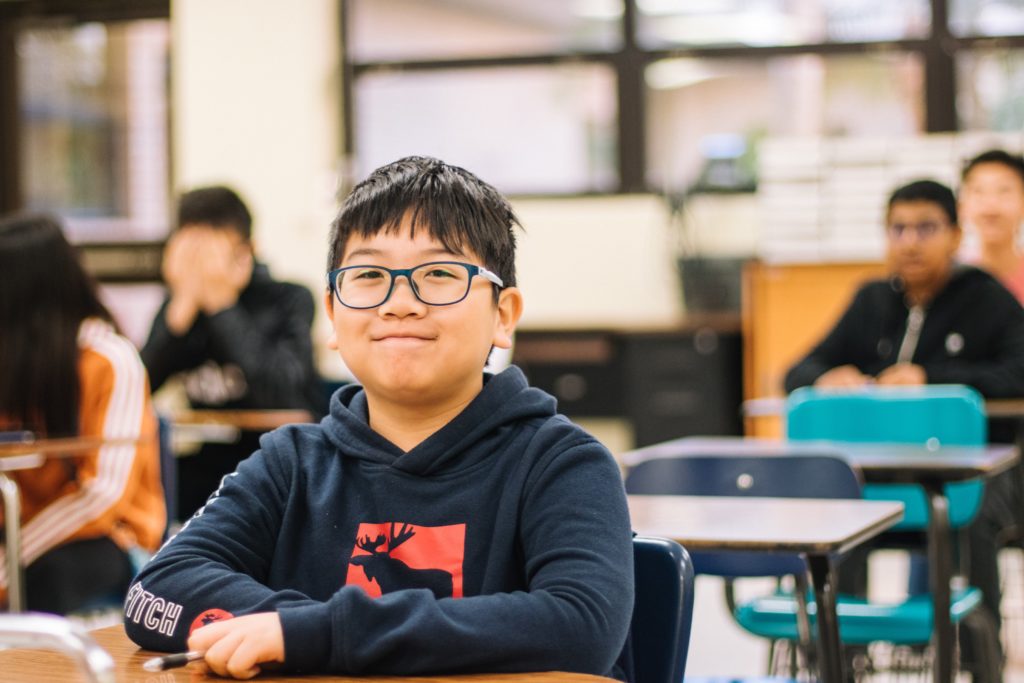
391,574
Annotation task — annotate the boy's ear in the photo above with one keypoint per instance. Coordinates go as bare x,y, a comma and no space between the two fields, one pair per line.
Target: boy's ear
332,338
510,309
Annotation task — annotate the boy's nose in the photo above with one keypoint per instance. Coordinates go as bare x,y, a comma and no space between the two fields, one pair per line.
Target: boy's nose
403,300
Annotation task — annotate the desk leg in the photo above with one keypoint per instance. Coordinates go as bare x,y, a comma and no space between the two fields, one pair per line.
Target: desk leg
830,657
940,573
12,525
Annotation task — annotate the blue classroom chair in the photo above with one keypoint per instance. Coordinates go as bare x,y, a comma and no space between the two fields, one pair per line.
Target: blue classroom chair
786,476
950,415
659,634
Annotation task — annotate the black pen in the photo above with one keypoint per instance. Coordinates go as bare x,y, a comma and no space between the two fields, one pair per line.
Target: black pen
172,661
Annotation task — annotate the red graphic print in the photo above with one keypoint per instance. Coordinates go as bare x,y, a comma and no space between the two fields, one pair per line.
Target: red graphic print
208,617
395,556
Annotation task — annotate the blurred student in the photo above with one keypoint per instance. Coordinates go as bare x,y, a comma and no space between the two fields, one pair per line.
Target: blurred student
440,519
65,371
237,338
992,204
932,321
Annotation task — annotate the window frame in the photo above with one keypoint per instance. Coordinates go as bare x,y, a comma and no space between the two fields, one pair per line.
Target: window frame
938,51
126,261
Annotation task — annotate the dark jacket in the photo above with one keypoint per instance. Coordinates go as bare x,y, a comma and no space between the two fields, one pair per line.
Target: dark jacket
256,354
973,333
501,543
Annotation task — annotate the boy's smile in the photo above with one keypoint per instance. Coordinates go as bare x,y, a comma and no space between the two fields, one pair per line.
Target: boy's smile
410,354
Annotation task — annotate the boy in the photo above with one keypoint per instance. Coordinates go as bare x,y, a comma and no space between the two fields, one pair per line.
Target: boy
932,322
494,531
237,337
992,204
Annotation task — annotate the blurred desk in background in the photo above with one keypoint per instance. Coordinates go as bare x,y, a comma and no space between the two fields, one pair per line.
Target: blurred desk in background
663,383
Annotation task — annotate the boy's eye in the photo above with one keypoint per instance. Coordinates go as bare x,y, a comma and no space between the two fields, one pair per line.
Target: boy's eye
368,274
437,272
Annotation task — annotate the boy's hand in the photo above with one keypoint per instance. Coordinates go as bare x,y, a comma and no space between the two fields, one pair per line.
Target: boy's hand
906,374
844,376
179,258
236,647
226,269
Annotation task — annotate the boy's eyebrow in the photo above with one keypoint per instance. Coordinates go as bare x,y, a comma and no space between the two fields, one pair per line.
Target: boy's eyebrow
369,251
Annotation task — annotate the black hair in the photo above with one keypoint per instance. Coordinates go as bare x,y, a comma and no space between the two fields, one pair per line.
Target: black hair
1014,162
454,206
927,191
46,294
218,206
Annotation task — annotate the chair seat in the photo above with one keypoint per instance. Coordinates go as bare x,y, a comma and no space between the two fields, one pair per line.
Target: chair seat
860,622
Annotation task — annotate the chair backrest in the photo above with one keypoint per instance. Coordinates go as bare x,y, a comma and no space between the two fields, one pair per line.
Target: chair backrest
659,636
952,415
782,476
168,472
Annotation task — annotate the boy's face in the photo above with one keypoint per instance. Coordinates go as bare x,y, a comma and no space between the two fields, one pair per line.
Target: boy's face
411,353
992,200
921,242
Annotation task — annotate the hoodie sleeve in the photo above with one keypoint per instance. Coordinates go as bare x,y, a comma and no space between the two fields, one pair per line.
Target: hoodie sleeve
574,615
1001,373
277,362
220,557
834,350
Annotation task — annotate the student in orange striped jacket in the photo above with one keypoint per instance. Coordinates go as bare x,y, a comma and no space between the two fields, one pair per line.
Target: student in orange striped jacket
65,371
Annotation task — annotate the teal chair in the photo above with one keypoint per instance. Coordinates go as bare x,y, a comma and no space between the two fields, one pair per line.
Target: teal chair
937,414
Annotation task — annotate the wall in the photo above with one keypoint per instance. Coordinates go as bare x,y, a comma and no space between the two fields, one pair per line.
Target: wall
255,104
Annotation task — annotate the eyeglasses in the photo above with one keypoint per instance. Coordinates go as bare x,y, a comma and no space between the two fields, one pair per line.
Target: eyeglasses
439,283
922,231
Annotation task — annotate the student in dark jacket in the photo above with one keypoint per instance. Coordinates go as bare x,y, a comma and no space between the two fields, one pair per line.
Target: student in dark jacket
237,338
933,321
439,519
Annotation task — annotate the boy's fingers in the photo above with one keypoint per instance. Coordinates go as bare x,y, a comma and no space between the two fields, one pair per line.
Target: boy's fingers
218,654
243,661
205,636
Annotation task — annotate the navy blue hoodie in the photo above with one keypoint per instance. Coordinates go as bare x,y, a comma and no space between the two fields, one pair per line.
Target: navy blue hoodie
500,543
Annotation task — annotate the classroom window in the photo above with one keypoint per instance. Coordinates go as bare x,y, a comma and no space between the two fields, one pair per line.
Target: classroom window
990,85
93,126
383,30
669,23
703,110
986,17
526,129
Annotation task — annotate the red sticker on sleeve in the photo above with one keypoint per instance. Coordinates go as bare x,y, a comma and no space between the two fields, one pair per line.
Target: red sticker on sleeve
208,617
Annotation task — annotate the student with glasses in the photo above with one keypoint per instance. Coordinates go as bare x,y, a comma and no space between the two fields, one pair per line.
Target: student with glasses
440,518
932,321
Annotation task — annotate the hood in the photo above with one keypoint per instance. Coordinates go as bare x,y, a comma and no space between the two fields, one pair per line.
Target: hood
960,275
505,401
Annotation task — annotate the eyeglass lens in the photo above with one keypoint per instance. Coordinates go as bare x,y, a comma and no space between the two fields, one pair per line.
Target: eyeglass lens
921,230
436,283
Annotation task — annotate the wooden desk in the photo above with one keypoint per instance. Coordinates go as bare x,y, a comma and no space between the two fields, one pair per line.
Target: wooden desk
931,467
33,666
226,426
249,420
24,455
816,528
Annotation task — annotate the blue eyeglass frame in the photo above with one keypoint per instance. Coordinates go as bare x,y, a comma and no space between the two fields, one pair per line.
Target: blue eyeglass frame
395,273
